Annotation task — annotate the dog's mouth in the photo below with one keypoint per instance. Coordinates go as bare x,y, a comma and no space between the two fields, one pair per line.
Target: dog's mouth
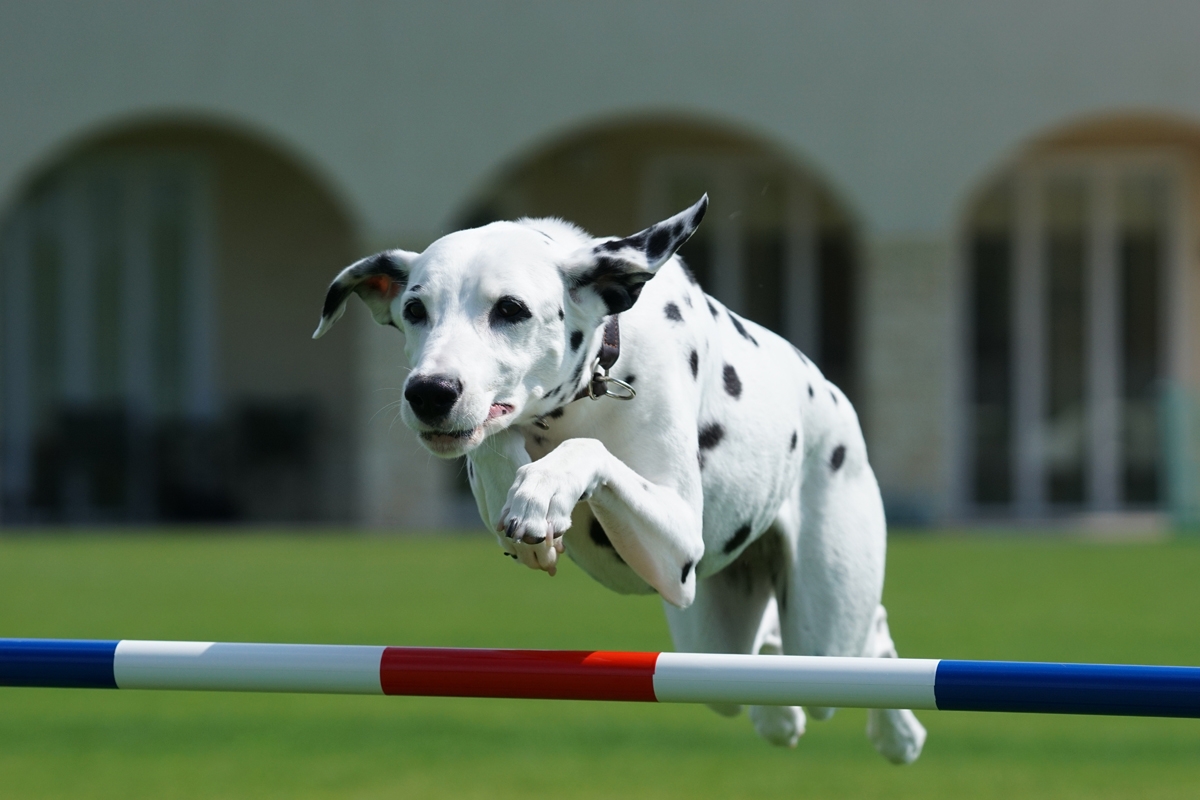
444,442
498,410
448,435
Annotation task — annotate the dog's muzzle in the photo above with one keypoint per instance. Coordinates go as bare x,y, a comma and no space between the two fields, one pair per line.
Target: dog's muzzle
432,397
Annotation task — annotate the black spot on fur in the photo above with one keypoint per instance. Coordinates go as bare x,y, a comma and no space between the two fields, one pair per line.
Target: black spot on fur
561,315
378,264
793,447
762,561
687,273
810,391
660,240
598,536
737,540
833,394
687,298
733,384
694,363
336,295
576,340
556,413
687,570
578,373
635,242
620,298
737,323
618,282
555,391
541,440
711,435
712,309
672,312
630,378
839,455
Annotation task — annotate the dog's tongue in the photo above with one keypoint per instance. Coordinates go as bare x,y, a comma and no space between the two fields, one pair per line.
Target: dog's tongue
498,410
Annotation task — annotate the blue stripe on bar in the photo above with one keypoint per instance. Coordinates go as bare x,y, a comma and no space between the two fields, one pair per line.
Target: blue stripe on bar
67,663
1068,688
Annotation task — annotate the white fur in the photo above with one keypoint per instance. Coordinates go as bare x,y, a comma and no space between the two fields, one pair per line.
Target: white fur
806,577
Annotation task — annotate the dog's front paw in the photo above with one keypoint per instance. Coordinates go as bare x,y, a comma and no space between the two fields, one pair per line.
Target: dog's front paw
541,555
538,510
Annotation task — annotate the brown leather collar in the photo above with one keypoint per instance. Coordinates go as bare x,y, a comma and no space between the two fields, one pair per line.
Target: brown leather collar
597,387
610,351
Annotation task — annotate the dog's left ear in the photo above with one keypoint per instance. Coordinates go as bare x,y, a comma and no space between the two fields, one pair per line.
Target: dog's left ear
616,269
377,279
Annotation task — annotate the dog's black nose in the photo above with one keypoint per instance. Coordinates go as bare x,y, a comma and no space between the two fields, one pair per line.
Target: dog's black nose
432,397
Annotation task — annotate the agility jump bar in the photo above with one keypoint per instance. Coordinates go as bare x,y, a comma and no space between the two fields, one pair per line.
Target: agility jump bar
1149,691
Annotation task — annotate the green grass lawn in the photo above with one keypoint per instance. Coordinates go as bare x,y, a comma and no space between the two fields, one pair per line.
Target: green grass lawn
981,597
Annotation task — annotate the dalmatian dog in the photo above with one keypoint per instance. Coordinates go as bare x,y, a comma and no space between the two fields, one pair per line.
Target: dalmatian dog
609,409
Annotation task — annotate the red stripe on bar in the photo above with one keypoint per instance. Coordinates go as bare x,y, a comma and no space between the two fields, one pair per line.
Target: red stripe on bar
526,674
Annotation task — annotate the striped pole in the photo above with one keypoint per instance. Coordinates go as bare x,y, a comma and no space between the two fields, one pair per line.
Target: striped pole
602,675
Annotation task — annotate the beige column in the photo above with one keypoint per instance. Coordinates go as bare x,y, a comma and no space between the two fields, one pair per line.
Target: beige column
400,485
909,351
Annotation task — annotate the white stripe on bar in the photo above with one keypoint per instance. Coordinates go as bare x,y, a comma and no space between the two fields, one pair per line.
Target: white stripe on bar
795,680
218,666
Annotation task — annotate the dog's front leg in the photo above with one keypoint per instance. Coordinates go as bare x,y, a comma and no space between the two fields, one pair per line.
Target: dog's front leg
653,528
492,471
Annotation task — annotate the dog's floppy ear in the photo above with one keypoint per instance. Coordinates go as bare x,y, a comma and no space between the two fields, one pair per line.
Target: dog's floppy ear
377,279
616,269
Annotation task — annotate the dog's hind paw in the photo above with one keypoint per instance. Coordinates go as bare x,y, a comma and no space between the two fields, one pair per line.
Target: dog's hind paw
896,734
779,725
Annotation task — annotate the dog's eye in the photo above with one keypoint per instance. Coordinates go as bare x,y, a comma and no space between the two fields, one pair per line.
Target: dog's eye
510,309
414,312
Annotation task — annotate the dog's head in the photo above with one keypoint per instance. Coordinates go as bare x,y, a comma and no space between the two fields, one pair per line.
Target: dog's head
501,323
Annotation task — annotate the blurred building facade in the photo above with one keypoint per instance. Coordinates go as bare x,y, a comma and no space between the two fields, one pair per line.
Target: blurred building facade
980,222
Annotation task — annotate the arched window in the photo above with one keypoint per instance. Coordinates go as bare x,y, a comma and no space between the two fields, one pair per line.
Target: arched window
156,284
1073,256
108,297
776,246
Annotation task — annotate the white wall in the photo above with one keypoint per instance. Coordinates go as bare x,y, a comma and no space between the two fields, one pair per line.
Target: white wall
406,110
406,107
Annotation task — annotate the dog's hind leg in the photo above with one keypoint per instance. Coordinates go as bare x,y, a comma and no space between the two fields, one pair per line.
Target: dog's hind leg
835,580
896,733
781,725
735,612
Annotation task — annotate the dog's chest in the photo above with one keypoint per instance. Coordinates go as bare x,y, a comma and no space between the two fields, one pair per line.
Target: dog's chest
539,442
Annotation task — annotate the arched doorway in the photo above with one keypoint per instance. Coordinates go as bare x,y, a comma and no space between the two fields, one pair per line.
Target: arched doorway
1077,269
157,287
777,245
